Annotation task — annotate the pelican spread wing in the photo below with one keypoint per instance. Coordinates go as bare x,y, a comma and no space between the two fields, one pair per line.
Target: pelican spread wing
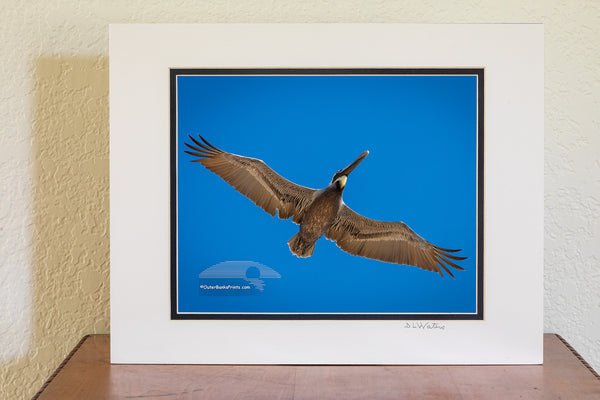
255,180
392,242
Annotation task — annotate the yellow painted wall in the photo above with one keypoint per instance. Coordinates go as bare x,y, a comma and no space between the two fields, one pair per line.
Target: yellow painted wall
54,187
69,250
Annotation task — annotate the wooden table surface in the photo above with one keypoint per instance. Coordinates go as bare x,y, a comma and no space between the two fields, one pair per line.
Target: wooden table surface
88,374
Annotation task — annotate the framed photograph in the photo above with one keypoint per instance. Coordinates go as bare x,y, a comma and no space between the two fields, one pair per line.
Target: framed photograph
326,193
412,246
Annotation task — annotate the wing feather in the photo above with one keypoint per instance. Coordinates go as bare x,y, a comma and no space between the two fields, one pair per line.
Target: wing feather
254,179
392,242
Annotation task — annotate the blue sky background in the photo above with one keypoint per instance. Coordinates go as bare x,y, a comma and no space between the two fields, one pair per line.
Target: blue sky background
421,132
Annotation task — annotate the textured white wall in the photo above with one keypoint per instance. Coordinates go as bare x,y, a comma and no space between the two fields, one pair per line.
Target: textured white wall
54,158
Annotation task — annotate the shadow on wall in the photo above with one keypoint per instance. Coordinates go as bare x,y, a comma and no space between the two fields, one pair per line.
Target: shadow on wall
70,151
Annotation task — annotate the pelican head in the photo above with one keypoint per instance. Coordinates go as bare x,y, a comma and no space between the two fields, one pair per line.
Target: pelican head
341,176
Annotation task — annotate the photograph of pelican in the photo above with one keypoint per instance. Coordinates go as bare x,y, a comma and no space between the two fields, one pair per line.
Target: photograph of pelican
322,212
288,188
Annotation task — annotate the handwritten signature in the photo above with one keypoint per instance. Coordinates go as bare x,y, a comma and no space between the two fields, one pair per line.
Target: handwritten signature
424,325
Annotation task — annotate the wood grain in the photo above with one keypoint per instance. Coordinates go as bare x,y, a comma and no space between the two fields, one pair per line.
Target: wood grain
89,375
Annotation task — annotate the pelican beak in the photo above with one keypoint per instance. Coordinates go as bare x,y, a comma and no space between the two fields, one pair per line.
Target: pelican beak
346,171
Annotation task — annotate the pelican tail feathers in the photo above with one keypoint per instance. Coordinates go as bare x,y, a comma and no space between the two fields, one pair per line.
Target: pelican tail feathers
301,247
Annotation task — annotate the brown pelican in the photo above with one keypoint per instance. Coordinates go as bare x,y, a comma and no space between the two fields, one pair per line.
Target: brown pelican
323,212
